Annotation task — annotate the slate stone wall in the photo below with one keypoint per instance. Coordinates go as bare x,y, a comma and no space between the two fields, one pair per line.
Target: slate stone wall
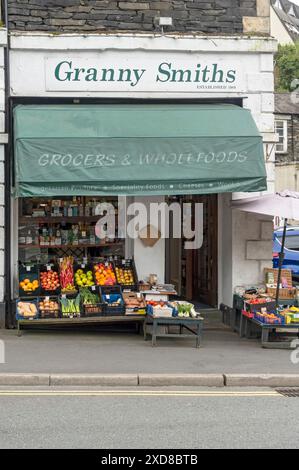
206,16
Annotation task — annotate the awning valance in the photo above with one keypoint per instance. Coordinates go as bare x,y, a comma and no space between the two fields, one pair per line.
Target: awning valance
136,150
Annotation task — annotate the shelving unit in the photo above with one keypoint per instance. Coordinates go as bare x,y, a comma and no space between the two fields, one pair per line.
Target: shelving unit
75,231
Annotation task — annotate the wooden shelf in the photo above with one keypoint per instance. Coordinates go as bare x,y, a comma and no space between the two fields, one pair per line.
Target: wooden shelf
82,245
56,220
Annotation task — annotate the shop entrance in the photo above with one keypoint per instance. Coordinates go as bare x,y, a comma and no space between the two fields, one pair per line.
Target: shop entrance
195,272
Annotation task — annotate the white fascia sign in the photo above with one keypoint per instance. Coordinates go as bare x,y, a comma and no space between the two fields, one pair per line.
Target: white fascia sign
143,72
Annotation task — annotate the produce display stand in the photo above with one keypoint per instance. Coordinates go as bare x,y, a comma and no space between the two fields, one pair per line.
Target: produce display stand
236,320
192,325
248,325
137,319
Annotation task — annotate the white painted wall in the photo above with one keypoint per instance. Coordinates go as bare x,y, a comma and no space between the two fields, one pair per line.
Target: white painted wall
149,260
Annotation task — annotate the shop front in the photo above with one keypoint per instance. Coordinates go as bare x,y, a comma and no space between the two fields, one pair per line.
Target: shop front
146,121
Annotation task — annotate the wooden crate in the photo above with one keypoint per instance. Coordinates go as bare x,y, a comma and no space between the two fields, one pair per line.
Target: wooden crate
285,273
284,293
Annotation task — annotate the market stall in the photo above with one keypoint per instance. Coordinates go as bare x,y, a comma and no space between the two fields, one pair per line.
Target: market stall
257,313
98,290
272,307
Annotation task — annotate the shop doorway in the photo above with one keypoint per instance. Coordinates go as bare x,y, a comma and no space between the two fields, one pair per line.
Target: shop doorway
195,272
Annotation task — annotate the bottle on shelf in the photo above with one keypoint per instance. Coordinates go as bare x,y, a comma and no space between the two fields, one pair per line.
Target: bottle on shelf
87,209
58,238
36,237
81,208
29,237
75,208
65,209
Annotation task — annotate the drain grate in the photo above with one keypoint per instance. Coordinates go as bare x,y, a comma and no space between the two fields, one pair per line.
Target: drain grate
288,392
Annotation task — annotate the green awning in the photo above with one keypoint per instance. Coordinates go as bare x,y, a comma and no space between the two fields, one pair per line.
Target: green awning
136,149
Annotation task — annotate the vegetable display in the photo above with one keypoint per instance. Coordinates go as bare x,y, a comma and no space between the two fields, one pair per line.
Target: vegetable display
49,280
88,298
67,274
70,307
184,309
104,274
91,302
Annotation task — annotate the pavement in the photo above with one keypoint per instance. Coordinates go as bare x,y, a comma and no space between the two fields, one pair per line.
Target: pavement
143,418
90,352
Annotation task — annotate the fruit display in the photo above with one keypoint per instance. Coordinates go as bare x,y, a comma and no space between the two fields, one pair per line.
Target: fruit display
290,315
67,274
70,307
269,318
29,286
26,310
84,278
49,308
49,280
104,274
124,276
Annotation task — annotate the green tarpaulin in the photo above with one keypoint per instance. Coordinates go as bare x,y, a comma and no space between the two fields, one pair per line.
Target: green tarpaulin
136,150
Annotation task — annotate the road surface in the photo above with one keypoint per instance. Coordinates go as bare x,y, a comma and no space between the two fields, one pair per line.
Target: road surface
147,418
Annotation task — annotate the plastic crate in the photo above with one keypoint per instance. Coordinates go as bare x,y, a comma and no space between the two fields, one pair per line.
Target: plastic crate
247,314
256,307
96,310
20,316
44,313
49,268
110,294
121,267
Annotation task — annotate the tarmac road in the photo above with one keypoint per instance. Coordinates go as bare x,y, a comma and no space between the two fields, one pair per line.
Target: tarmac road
147,418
